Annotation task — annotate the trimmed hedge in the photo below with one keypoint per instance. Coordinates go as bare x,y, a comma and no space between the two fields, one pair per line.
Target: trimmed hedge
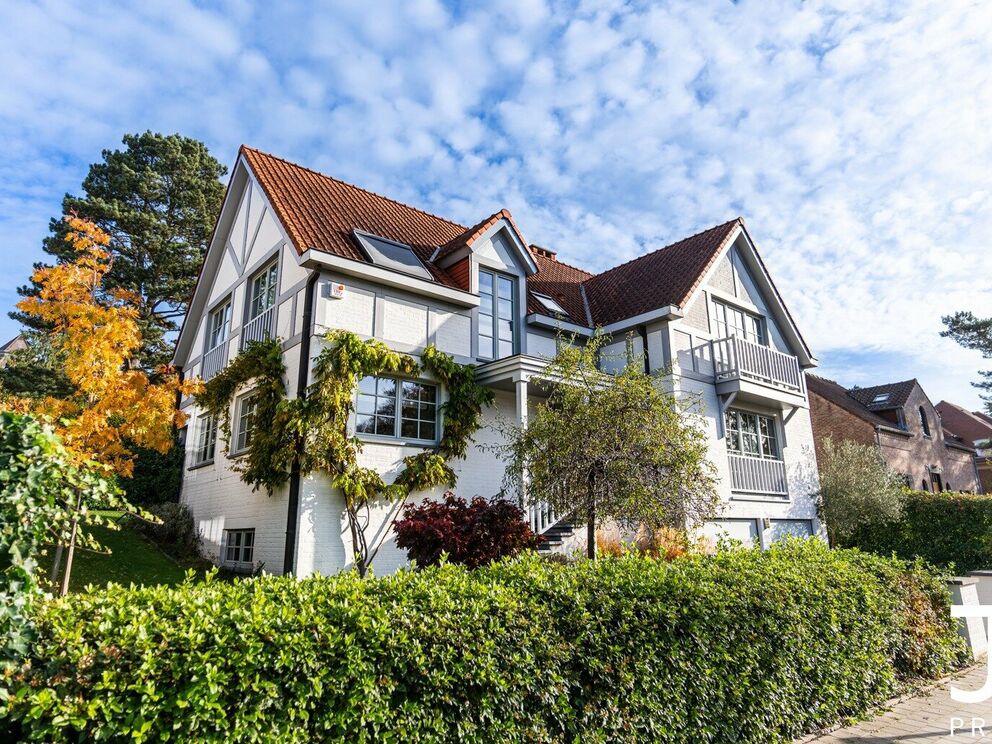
746,646
942,528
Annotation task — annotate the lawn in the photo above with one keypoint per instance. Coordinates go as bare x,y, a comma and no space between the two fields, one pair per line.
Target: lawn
133,559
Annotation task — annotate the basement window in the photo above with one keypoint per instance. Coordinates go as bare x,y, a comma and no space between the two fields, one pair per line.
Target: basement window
392,255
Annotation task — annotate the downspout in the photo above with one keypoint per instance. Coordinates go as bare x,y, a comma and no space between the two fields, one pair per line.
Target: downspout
292,513
644,343
182,465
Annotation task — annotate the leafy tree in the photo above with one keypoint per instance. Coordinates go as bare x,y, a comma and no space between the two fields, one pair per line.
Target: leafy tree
472,533
611,448
158,200
973,333
857,490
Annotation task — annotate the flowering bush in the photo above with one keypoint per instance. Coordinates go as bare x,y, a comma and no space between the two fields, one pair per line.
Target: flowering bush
473,533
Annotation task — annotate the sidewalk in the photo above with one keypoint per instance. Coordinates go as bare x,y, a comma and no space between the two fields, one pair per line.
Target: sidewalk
927,717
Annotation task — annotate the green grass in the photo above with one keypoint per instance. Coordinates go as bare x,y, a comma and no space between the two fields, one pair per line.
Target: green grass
133,559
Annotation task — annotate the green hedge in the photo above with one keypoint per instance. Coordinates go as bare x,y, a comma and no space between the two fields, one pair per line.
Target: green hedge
742,647
942,528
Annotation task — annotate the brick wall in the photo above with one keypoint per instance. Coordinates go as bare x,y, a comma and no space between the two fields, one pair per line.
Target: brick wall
830,420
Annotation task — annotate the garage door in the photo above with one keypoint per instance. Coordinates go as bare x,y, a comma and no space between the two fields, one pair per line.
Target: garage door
796,527
743,530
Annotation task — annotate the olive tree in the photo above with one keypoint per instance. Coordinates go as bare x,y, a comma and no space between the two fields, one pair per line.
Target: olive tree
611,447
857,490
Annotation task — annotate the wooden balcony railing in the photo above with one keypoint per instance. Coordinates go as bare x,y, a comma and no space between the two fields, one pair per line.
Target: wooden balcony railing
758,476
214,361
258,328
734,358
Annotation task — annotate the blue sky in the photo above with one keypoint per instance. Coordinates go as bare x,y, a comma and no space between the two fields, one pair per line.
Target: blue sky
854,137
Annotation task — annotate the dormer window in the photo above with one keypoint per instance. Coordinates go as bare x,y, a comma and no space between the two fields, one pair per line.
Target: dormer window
880,398
497,315
550,304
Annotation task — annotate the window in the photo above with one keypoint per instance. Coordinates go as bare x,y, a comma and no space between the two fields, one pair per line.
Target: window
924,422
497,313
206,442
239,546
550,304
247,406
729,321
262,292
392,255
752,435
403,409
218,326
880,398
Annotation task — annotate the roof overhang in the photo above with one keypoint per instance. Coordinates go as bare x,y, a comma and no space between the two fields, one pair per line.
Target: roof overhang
516,239
557,324
669,312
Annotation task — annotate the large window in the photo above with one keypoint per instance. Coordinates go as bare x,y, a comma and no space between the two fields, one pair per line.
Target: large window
262,291
401,409
497,315
219,326
239,546
729,321
206,442
247,407
752,435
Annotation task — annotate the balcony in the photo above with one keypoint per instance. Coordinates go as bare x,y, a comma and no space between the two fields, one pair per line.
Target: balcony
735,358
214,361
758,476
258,328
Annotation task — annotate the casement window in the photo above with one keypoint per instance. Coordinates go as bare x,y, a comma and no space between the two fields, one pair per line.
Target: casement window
239,547
752,435
262,291
245,424
729,321
497,315
397,408
218,326
206,439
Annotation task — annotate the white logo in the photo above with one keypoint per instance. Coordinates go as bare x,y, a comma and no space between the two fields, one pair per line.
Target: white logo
985,692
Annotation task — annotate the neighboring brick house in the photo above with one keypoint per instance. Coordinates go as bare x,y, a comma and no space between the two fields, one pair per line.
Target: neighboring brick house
296,253
17,343
974,429
901,421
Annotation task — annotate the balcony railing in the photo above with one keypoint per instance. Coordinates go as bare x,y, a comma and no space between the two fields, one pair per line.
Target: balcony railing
734,358
541,517
214,361
258,328
758,476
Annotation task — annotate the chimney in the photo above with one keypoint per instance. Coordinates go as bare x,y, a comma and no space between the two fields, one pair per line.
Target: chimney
544,252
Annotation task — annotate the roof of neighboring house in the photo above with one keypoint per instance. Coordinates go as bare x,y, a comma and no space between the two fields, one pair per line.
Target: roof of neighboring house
898,393
320,212
840,396
968,426
16,343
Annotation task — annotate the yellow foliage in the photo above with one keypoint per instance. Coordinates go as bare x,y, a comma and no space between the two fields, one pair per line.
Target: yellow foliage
113,403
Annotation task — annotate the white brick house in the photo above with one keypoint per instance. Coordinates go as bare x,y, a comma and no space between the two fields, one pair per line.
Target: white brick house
296,253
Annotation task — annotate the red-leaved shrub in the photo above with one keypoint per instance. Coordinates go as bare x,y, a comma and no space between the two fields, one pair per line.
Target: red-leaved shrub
473,533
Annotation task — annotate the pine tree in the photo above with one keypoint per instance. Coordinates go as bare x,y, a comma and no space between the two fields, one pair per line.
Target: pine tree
973,333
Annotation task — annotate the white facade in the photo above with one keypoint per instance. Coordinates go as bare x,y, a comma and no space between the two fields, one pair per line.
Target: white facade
408,315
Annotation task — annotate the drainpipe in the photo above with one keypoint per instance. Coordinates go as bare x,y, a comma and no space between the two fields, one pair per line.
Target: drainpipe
182,465
644,343
292,513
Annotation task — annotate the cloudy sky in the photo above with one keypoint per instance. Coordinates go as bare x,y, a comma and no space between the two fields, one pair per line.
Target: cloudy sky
854,137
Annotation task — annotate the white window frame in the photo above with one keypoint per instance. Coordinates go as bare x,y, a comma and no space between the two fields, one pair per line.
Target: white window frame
223,312
206,440
493,352
245,422
735,433
751,327
235,540
399,402
270,288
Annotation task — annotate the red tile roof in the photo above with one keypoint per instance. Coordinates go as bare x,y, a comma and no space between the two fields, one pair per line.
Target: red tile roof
839,396
898,395
320,212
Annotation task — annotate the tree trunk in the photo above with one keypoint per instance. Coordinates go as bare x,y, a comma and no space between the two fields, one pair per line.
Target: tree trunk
591,526
68,558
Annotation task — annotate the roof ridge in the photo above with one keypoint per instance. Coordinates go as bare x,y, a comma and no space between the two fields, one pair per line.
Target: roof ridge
665,247
353,186
886,384
567,265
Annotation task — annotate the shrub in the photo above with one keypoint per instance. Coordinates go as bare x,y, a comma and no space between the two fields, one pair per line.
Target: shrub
177,534
942,528
472,533
744,646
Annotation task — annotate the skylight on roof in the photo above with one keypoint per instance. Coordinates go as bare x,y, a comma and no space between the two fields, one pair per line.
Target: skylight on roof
880,398
550,304
392,255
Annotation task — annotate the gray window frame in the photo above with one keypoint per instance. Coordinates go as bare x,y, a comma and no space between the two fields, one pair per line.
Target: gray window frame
206,440
398,400
495,319
270,290
756,334
244,422
734,434
219,309
240,546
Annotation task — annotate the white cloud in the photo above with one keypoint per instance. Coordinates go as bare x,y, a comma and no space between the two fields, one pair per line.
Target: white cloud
854,137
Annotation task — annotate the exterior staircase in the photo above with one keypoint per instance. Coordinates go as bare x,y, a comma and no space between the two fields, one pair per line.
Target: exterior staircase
555,535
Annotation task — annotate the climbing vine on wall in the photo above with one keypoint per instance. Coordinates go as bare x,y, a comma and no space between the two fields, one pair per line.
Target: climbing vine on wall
314,429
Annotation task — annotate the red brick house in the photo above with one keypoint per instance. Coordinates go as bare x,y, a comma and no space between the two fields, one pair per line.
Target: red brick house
974,429
900,420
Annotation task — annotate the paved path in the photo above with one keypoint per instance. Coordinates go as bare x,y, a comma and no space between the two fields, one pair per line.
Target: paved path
925,718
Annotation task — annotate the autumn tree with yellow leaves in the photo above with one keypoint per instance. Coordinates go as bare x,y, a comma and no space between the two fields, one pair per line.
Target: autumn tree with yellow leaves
113,405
